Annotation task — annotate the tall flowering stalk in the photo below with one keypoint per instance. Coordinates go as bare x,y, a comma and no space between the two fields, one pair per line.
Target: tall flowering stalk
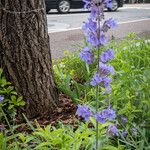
94,30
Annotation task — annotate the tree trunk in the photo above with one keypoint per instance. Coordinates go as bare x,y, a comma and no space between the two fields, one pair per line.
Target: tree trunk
25,54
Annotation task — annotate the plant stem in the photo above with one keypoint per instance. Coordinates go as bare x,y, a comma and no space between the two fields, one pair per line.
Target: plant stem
97,88
97,96
7,120
11,128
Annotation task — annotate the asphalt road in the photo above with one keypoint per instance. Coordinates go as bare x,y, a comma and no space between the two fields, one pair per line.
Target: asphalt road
76,17
65,30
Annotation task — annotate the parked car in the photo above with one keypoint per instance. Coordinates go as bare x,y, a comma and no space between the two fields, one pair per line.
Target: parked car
63,6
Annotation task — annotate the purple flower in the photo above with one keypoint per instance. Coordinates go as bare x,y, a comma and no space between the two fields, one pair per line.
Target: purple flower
84,112
107,55
108,3
87,55
107,90
105,69
105,114
87,4
96,79
106,81
111,114
93,39
111,23
124,119
112,130
124,133
94,12
90,25
87,33
103,40
101,117
1,98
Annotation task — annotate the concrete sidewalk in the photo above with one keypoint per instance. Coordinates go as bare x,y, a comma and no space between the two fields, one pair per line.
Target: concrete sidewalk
137,5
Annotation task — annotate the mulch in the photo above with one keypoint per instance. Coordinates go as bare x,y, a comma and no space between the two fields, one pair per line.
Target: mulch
65,113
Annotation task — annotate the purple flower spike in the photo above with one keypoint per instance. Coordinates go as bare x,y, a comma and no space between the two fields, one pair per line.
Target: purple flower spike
94,31
87,55
84,112
96,79
107,55
112,130
1,98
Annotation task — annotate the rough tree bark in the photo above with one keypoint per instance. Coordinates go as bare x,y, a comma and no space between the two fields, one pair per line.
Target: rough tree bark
25,54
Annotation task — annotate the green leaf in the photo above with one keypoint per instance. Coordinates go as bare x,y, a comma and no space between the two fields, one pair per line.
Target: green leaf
10,107
45,145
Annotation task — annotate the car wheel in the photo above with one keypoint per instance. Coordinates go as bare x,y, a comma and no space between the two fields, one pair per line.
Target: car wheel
47,10
63,6
114,6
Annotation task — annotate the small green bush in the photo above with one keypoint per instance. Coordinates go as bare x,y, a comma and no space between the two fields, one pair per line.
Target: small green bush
11,99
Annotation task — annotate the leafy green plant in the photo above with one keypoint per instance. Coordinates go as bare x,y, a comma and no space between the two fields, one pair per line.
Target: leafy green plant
71,76
136,138
62,138
131,82
11,99
131,86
